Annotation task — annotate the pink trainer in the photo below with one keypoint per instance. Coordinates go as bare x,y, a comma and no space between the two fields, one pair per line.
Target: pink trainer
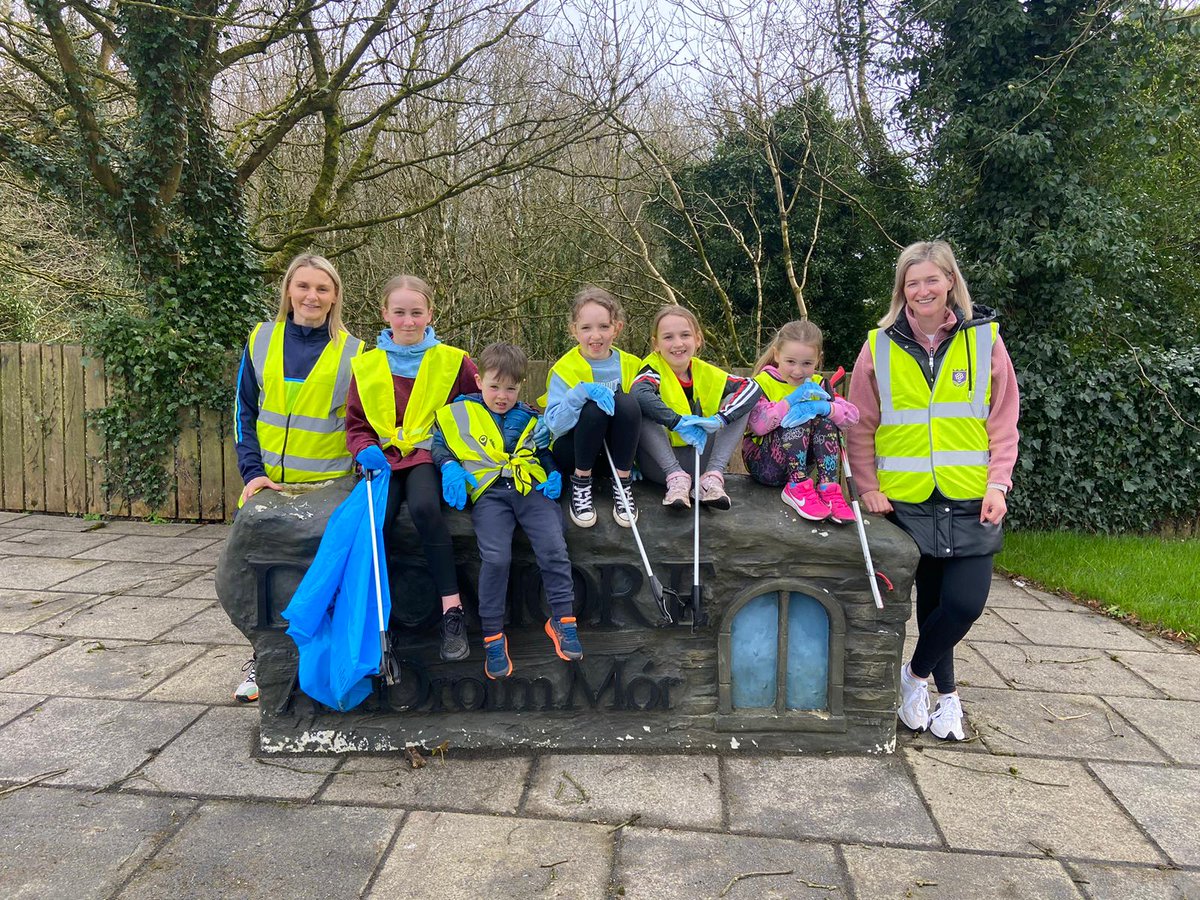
803,498
839,510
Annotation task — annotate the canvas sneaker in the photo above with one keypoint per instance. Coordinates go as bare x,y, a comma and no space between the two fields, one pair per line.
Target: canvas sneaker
565,637
712,491
803,498
914,700
582,512
839,510
947,719
454,635
679,491
624,519
247,691
496,661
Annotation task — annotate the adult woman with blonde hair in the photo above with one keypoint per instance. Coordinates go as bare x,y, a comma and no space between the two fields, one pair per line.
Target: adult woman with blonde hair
934,450
290,408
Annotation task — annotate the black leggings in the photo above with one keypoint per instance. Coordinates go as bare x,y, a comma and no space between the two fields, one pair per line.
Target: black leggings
951,593
422,487
582,446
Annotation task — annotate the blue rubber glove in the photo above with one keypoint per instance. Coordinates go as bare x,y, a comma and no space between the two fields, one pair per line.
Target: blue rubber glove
809,390
693,435
542,435
551,488
454,483
711,424
600,394
804,411
372,459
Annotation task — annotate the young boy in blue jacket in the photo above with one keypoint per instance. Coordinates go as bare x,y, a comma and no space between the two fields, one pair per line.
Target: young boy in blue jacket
486,446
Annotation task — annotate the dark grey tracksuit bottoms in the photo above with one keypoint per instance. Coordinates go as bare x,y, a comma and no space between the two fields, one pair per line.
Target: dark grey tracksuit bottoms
496,514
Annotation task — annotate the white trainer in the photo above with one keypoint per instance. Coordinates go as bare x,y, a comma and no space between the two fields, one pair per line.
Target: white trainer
914,700
947,719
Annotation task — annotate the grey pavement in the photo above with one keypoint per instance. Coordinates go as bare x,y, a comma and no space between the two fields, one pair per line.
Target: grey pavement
126,769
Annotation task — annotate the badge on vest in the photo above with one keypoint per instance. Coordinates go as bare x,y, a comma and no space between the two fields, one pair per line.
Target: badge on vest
483,440
960,377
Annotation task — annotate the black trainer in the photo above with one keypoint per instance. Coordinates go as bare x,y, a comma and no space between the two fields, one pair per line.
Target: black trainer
454,635
583,513
624,519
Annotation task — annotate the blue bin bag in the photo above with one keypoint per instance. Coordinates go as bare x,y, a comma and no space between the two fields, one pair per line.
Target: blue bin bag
333,617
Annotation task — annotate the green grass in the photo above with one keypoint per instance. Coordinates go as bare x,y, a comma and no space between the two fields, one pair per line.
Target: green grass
1155,579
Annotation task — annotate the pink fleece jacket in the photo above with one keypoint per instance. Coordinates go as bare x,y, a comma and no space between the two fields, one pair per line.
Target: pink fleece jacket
1001,423
766,416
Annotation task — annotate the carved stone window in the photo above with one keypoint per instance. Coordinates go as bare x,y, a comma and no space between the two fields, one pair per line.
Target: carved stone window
781,655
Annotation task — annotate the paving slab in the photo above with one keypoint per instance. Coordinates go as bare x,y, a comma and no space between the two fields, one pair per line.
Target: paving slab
135,618
212,759
203,587
510,858
9,517
117,670
683,791
1177,675
1066,670
47,522
1169,646
1082,628
658,864
210,679
53,543
131,578
12,705
19,650
1011,595
138,548
269,851
209,626
1137,883
21,610
1164,801
1073,726
490,785
889,872
96,741
56,843
827,798
1174,725
150,529
1025,806
218,532
991,626
209,556
18,573
971,668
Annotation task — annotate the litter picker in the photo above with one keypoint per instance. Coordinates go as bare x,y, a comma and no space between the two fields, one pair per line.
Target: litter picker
664,597
389,669
699,616
872,575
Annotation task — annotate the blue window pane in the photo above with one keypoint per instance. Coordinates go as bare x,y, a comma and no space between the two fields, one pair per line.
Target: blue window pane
807,653
754,640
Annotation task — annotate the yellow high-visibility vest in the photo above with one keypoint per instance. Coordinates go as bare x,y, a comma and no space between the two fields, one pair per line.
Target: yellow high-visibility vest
303,440
573,368
935,437
431,391
708,387
474,438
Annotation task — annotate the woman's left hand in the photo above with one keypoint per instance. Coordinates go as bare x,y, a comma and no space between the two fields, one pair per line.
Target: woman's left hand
995,505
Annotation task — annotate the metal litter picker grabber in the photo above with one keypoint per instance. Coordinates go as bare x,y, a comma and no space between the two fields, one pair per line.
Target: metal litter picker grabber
389,669
664,597
699,616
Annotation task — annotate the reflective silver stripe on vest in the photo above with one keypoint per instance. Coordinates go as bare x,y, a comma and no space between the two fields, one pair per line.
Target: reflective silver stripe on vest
902,416
304,464
883,380
304,423
959,410
462,420
983,369
940,458
258,352
341,387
